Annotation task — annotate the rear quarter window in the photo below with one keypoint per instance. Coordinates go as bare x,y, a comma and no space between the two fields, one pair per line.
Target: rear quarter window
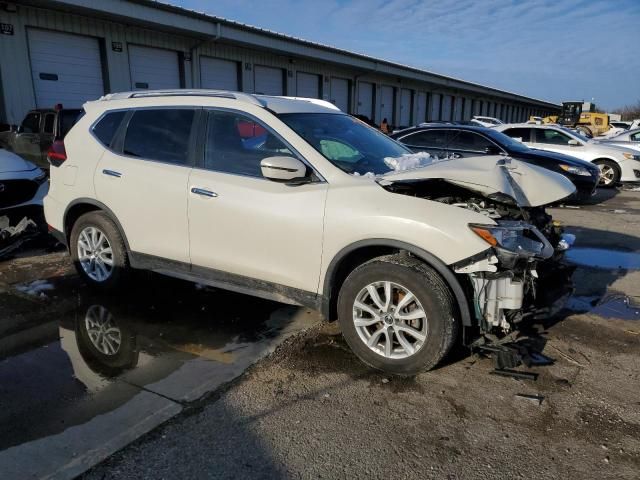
107,126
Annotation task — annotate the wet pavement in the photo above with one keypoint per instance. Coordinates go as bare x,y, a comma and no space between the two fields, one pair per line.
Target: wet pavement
82,375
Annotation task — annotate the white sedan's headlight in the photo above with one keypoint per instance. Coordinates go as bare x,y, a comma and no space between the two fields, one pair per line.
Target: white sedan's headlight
631,156
575,170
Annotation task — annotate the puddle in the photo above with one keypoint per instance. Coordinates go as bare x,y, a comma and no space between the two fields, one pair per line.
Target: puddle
168,341
603,258
615,306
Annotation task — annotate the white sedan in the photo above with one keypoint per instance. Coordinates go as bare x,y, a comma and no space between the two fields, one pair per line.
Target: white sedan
628,139
617,163
22,184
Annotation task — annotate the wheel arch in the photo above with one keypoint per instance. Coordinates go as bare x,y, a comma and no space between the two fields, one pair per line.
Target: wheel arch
79,207
357,253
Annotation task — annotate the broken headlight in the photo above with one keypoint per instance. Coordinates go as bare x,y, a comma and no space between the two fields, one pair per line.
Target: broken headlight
575,170
514,240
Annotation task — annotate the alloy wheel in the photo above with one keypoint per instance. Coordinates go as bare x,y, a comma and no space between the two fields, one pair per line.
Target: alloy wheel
607,174
95,254
390,320
102,331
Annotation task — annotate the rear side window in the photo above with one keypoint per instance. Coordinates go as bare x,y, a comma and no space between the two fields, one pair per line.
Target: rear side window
522,134
470,141
161,135
31,123
49,121
635,137
106,128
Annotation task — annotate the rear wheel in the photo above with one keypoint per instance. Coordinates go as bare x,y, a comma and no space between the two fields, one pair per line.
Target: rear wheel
98,250
397,315
585,131
609,173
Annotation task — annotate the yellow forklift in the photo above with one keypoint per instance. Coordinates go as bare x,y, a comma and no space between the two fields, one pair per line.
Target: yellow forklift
580,115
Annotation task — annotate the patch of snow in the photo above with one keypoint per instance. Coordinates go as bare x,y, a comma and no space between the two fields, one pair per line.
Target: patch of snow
366,175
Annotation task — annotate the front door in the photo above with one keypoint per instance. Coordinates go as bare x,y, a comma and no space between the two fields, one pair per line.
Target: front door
243,224
144,180
556,141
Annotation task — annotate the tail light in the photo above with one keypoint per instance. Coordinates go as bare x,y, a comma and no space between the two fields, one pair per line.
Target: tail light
57,154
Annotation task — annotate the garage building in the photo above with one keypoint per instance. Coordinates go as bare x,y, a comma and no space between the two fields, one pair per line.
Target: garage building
72,51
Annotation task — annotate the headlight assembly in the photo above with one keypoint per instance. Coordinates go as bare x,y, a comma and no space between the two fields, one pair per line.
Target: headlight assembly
513,240
575,170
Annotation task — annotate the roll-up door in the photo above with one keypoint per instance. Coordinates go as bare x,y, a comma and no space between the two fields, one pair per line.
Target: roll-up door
434,114
268,80
467,109
365,99
340,93
307,85
153,68
386,103
421,107
66,68
405,107
447,107
219,74
457,109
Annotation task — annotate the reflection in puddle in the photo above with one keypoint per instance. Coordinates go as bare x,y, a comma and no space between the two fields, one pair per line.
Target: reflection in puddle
603,258
615,306
176,344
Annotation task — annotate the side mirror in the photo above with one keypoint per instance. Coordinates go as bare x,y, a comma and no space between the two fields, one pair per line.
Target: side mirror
573,142
492,150
283,169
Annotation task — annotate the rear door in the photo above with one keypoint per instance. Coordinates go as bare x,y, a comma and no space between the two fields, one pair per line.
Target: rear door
245,225
143,178
434,141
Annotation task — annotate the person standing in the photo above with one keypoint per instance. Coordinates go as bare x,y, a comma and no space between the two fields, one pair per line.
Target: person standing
384,126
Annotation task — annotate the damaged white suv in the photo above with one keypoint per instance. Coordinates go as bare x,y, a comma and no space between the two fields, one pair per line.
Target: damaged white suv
293,200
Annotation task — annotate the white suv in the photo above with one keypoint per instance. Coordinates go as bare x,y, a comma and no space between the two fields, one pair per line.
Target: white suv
292,200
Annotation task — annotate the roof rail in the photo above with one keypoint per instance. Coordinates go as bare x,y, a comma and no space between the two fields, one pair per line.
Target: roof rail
243,97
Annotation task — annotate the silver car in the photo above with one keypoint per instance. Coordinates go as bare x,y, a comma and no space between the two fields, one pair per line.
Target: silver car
628,139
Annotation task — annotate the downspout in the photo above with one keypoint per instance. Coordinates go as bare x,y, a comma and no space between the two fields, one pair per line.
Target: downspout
194,68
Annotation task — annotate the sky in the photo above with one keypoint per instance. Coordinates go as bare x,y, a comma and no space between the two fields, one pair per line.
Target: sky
553,50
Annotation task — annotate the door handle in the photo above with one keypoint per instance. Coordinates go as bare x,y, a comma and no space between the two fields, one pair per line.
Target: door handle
203,192
112,173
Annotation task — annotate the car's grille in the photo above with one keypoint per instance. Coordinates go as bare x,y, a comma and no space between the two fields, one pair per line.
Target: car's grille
15,192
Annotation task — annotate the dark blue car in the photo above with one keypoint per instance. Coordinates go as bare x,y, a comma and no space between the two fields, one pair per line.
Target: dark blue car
457,141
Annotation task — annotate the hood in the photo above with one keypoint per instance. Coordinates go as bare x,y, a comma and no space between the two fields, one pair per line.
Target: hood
10,162
528,185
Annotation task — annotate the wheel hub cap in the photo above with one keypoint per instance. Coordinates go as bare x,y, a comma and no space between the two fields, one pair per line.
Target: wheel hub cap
390,320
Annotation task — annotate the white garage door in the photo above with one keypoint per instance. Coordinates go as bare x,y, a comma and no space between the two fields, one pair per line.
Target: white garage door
477,107
386,103
268,80
467,109
340,93
421,107
218,74
435,107
447,107
405,107
457,109
365,99
65,68
308,85
153,68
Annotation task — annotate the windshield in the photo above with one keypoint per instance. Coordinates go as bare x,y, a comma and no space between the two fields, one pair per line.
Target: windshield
345,141
506,141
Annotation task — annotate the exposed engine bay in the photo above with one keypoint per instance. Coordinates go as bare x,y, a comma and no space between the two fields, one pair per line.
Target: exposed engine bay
525,251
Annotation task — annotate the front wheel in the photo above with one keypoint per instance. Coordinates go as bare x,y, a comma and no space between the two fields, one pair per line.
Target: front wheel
397,315
609,173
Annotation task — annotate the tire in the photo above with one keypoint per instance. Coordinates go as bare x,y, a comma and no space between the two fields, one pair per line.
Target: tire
609,173
119,268
432,296
586,131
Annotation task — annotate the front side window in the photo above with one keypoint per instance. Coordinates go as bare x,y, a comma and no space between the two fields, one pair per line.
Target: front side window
470,141
31,123
107,126
635,137
552,137
237,144
345,141
160,134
